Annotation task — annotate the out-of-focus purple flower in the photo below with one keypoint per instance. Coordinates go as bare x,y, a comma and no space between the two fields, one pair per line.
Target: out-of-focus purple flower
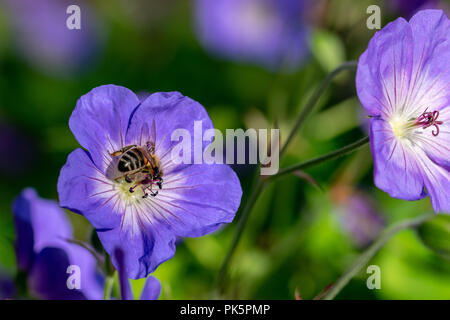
403,81
19,152
192,200
271,33
152,287
407,8
44,40
7,288
44,254
358,214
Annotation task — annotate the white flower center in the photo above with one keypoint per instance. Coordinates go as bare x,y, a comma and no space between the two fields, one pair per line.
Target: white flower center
400,126
126,196
403,127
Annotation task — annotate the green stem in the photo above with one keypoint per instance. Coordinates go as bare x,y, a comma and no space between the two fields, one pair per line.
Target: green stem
365,257
326,157
239,230
260,187
309,107
109,282
311,103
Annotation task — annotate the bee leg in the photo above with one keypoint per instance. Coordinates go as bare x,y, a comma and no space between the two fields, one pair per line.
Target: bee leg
159,182
153,193
144,190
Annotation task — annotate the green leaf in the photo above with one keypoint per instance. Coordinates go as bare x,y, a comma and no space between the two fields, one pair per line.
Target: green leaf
435,234
328,49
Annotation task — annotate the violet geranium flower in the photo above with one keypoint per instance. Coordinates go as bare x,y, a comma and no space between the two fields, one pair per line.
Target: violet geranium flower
407,8
44,254
143,213
7,289
271,33
43,39
403,81
17,143
358,214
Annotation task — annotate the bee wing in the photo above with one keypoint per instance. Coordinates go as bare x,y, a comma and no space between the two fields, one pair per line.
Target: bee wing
152,135
153,132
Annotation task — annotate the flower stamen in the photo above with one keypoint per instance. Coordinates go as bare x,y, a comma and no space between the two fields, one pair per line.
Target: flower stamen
428,119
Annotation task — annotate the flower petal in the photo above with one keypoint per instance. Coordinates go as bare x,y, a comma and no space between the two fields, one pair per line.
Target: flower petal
437,182
100,120
48,277
169,111
199,199
430,78
44,225
405,67
39,223
436,146
83,189
51,273
125,288
396,170
7,287
143,249
152,289
384,69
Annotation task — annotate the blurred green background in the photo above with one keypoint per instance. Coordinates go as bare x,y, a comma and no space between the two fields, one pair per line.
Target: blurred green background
296,235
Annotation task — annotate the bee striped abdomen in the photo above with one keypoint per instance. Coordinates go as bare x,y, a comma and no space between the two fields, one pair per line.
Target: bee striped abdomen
131,160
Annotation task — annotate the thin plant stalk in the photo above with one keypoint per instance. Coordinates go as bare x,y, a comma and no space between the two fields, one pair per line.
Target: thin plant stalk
368,254
262,183
109,280
312,102
109,283
309,107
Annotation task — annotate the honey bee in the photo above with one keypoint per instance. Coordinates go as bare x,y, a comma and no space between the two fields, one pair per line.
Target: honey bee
140,166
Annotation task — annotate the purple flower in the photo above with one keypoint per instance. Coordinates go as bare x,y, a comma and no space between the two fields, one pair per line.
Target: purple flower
358,214
7,289
18,144
271,33
44,254
403,81
408,8
143,213
44,40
